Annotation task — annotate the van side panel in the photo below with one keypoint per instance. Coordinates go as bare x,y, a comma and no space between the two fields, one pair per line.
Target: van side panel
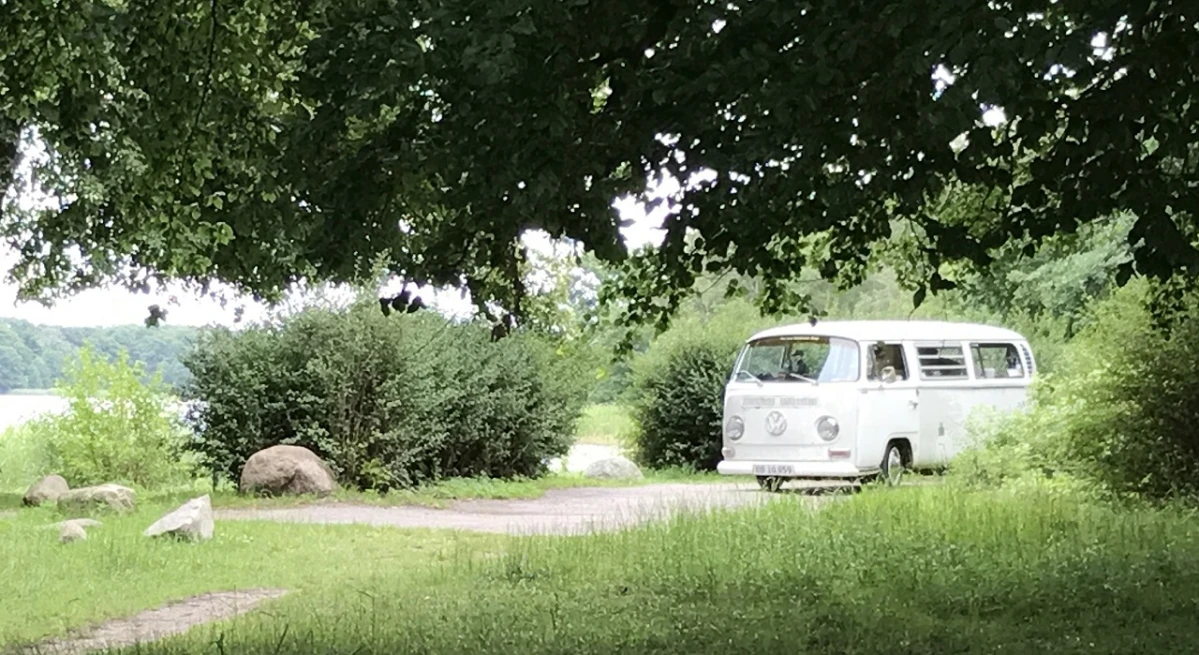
886,413
944,412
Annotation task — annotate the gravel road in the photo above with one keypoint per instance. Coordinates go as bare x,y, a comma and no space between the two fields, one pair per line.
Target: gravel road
559,511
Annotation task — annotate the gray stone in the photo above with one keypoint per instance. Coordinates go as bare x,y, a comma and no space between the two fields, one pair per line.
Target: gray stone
613,468
105,496
191,522
287,470
83,523
46,490
70,532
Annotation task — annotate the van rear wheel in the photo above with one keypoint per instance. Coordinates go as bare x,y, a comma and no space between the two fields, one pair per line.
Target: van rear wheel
770,483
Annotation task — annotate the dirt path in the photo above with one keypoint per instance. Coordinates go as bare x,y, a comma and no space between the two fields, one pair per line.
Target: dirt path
559,511
159,623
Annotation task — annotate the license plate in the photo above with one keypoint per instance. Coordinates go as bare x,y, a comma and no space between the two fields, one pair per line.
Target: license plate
774,469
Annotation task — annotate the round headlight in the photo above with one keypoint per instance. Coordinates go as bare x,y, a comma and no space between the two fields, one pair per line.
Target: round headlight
827,428
734,428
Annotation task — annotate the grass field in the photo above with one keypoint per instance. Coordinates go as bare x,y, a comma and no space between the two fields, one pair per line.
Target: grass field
49,588
604,425
913,570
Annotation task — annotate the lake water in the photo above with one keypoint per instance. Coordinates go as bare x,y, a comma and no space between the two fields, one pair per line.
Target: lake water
15,410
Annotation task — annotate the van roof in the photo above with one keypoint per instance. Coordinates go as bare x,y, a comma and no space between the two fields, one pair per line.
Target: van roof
894,331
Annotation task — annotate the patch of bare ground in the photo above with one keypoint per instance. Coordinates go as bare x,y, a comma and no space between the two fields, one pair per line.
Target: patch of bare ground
151,625
559,511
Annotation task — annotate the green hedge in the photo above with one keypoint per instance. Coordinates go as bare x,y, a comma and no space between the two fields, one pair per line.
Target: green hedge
387,401
680,406
1119,419
677,391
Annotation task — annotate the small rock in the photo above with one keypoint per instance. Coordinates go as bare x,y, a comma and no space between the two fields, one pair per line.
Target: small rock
83,523
192,521
46,490
71,531
105,496
612,468
280,470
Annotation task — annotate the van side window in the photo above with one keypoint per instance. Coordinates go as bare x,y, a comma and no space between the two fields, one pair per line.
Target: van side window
883,355
994,361
942,362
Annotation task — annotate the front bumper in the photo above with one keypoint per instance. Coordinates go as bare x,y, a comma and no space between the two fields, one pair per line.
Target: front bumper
792,469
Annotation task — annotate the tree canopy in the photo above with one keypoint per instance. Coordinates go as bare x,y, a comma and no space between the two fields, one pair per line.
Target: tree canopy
261,144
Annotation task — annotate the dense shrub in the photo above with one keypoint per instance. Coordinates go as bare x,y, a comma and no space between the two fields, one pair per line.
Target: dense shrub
679,408
677,391
387,401
119,425
1120,417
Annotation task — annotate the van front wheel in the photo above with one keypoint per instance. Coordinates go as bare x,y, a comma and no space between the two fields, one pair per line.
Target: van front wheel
770,483
893,464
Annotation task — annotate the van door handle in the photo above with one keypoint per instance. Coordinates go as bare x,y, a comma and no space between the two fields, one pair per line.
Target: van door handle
913,403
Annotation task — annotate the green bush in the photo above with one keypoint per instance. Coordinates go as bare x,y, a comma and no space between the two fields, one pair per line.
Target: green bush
1119,418
680,407
388,401
115,428
1031,448
677,391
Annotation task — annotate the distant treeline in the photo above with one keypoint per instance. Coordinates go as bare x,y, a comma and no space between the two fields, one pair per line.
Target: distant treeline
33,356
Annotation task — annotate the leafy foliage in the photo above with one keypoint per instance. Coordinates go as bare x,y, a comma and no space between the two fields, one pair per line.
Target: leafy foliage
36,356
119,425
680,409
1061,279
261,144
1118,419
388,401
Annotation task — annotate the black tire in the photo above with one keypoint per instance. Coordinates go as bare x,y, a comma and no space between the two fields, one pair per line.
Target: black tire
894,464
771,484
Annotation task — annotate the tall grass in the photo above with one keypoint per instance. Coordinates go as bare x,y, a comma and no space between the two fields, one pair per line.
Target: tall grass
909,571
23,458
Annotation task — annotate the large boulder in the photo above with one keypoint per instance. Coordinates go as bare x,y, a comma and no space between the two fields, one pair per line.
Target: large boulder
192,521
291,470
105,496
612,468
46,490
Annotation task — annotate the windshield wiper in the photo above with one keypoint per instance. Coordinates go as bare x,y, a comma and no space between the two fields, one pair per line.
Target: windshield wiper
753,377
797,376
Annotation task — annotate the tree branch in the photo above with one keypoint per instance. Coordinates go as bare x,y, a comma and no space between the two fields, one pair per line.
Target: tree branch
207,90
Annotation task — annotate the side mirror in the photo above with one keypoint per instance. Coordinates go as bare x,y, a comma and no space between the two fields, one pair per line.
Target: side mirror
887,375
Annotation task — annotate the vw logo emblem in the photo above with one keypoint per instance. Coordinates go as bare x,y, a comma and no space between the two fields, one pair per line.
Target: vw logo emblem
776,423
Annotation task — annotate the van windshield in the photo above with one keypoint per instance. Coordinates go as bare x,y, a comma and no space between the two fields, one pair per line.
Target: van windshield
811,359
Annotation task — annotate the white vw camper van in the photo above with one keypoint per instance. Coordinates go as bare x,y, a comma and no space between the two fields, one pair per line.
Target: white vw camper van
861,399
